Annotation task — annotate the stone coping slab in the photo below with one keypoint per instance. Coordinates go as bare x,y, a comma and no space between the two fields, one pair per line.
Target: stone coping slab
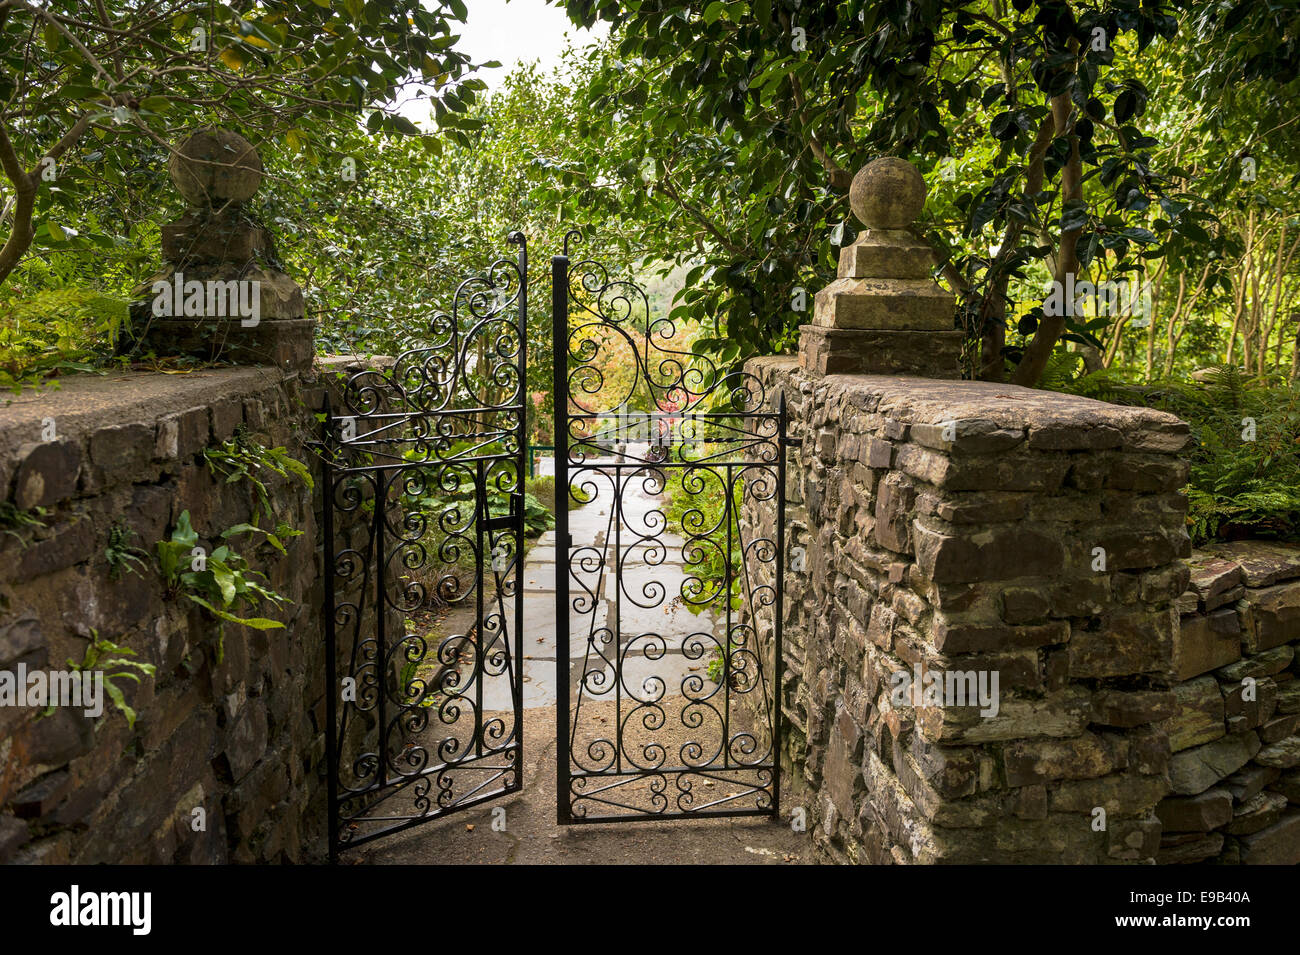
1262,563
84,404
1052,421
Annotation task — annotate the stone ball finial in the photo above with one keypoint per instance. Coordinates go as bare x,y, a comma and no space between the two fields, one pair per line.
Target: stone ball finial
887,193
215,166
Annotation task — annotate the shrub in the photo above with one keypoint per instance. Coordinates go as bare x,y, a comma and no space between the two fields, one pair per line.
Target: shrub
1245,463
56,331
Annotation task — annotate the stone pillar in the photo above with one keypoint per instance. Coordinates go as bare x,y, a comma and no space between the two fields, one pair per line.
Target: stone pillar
884,314
959,531
220,296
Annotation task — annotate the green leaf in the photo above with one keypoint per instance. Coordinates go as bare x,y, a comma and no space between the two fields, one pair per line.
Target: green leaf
257,623
119,701
224,578
238,529
184,532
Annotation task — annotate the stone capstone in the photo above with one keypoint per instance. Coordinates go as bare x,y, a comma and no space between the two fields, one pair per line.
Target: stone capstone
215,166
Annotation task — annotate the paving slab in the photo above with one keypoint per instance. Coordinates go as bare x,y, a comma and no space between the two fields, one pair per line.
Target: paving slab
531,835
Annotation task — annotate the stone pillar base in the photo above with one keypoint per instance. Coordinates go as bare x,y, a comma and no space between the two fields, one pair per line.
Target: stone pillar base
285,343
854,351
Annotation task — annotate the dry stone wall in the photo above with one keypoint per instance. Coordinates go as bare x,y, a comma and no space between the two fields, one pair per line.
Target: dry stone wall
965,529
240,739
1235,771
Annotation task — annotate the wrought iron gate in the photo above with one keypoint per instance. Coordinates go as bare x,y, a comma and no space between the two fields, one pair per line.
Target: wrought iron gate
668,705
423,489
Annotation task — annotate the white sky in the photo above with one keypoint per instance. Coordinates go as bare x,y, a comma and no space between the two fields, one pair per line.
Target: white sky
512,32
519,30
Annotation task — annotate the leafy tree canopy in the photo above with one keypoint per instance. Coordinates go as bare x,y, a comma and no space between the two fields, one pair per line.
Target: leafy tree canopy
751,117
91,90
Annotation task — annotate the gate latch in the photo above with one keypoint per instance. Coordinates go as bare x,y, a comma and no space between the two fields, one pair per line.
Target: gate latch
506,521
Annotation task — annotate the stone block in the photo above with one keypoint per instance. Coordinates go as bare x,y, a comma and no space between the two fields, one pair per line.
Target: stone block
952,771
1249,781
877,453
1259,812
950,637
1081,596
47,474
1147,474
1001,553
1133,708
843,773
892,255
974,508
1024,605
846,351
40,798
70,543
1279,844
1027,762
1121,795
1199,715
1167,436
246,740
1283,754
227,414
1263,563
1212,578
1205,642
1253,706
1272,617
967,436
18,638
884,303
1062,714
1137,549
122,453
193,240
1288,784
1165,584
1259,665
894,502
1288,697
13,833
1074,432
1149,751
1200,813
880,627
1279,728
180,436
1195,770
1128,644
1183,848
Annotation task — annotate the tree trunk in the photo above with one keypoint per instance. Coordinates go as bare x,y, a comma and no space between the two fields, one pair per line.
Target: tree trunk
1036,356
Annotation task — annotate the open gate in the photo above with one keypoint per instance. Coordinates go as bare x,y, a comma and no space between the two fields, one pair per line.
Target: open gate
423,471
669,596
668,602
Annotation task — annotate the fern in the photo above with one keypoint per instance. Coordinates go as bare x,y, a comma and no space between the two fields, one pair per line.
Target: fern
1245,460
57,330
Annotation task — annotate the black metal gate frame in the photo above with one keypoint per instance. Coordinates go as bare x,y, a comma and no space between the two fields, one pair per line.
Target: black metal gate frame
403,450
766,447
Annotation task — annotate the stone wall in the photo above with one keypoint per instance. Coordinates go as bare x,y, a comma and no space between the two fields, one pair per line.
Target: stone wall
1235,772
979,528
242,738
